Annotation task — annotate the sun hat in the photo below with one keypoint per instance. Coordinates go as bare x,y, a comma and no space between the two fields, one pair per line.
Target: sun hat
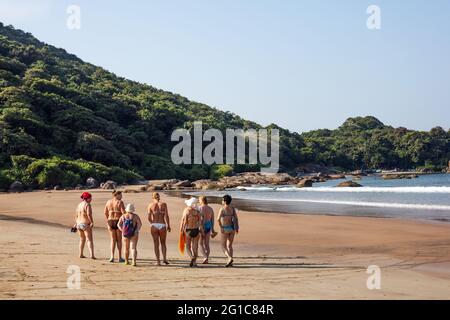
130,208
191,202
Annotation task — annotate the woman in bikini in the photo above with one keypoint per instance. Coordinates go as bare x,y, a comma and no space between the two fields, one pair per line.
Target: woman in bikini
229,226
84,224
130,224
158,216
114,209
191,224
208,227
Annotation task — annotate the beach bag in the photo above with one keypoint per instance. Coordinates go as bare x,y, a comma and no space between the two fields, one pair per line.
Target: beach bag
128,228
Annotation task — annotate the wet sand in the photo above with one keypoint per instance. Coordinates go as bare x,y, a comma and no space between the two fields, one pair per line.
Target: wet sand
278,256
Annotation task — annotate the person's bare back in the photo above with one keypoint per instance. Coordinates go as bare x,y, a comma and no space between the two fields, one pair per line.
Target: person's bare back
192,218
114,209
227,216
82,213
207,212
158,212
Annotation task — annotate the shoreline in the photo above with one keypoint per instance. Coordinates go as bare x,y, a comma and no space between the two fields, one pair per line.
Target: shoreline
251,205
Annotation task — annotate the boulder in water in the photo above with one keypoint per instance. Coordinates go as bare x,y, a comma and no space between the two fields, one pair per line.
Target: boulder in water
348,183
305,183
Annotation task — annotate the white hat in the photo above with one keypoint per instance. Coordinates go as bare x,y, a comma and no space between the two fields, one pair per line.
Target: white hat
191,202
130,208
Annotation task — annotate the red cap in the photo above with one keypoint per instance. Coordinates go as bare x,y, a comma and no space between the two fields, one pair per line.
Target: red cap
86,195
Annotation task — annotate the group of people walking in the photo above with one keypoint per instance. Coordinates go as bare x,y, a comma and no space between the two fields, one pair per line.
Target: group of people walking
196,228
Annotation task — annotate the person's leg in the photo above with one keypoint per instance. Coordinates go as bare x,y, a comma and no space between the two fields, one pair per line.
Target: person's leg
230,249
134,242
90,241
127,250
155,236
119,244
206,244
195,248
162,238
82,242
189,246
224,240
202,244
230,244
112,234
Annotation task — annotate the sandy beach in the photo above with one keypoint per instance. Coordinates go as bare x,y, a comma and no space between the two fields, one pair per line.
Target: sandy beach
278,256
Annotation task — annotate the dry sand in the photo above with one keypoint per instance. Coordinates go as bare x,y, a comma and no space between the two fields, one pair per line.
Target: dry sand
278,256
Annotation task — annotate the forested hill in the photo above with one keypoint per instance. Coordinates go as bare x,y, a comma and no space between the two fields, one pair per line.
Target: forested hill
62,119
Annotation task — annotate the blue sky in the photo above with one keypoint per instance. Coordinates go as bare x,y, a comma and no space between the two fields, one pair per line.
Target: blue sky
301,64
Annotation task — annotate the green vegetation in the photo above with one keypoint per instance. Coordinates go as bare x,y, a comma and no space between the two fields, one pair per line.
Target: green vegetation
220,171
42,173
5,181
69,120
365,142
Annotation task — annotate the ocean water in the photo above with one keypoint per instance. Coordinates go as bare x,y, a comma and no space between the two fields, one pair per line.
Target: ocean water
426,197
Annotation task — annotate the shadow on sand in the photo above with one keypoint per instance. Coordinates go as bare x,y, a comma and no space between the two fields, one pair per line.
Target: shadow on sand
250,263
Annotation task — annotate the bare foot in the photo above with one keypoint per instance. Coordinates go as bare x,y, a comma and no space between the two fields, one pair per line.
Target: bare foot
230,263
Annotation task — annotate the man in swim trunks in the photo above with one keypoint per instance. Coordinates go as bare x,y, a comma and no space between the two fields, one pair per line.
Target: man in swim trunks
114,209
229,226
191,224
208,227
84,224
158,216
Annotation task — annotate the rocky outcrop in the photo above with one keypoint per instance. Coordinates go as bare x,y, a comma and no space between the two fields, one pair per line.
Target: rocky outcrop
130,191
305,183
358,173
211,186
198,184
156,187
91,183
182,184
240,180
336,176
391,176
16,186
108,185
256,178
349,183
